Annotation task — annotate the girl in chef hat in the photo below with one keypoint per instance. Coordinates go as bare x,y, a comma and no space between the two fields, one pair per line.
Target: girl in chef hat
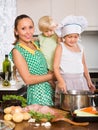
69,61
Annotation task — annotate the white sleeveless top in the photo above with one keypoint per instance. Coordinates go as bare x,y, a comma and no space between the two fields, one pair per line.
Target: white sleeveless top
71,62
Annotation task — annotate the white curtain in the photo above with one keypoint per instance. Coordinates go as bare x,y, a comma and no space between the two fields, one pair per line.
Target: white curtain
7,17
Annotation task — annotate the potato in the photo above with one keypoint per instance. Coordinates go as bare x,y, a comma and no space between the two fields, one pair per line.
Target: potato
26,116
7,117
18,117
16,109
8,110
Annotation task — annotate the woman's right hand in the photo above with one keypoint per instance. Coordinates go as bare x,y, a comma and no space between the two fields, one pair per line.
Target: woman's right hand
52,84
53,75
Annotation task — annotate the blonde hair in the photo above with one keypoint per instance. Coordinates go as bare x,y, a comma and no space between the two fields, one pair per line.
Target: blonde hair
45,23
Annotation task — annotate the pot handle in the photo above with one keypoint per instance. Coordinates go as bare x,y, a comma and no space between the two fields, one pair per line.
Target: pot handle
91,97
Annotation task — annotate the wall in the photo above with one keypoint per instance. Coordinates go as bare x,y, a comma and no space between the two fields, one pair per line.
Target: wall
34,8
7,16
58,9
38,8
90,43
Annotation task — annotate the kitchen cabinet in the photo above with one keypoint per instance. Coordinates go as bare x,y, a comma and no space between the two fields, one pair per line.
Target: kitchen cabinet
22,91
87,8
18,88
89,40
59,9
35,9
62,8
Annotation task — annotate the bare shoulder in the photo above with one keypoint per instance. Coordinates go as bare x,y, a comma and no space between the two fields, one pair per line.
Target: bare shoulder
15,51
17,55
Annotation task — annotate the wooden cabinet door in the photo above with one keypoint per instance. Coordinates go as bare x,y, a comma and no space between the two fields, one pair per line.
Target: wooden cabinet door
89,9
35,9
61,8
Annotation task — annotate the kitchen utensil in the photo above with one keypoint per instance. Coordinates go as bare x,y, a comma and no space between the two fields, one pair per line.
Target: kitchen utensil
85,119
93,99
75,99
90,116
2,125
6,125
70,121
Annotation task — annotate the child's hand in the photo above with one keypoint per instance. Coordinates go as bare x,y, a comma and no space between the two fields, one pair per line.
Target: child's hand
91,86
62,86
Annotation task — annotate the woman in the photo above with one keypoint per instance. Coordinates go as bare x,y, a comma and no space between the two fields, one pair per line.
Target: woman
31,64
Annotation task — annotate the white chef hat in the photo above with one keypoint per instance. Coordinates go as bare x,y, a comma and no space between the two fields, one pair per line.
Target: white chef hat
71,24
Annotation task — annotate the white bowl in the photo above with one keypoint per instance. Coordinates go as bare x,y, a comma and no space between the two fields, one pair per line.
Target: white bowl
2,125
6,125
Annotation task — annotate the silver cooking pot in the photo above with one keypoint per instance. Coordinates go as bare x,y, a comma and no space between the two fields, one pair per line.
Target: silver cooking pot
76,99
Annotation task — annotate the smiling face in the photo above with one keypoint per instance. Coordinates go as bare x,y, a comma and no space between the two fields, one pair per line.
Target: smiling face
25,30
71,39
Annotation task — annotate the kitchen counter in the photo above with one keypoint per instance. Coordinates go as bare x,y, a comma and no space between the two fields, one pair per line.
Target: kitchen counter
15,85
18,89
60,125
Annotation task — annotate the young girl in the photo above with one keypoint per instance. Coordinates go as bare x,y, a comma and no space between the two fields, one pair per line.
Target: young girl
48,39
69,62
31,64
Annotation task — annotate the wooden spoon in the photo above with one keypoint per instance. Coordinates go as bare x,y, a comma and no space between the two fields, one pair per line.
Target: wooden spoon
70,121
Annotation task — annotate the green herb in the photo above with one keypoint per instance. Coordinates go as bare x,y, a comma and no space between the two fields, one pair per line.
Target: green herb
40,116
11,97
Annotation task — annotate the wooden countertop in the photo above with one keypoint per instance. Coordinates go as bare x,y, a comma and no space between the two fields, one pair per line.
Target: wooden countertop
60,125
